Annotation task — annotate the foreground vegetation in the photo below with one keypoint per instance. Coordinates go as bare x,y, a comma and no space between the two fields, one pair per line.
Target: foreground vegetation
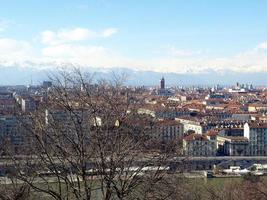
169,188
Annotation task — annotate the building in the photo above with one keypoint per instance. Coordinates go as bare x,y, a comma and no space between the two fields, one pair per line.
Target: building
47,84
160,112
216,96
28,104
195,124
11,132
198,145
227,145
167,130
257,136
7,106
236,146
7,103
162,91
257,107
234,132
177,99
191,124
162,84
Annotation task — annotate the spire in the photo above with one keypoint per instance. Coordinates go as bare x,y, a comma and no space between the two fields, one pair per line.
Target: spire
162,83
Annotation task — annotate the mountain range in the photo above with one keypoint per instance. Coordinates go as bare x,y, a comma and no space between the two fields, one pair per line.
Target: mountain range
16,75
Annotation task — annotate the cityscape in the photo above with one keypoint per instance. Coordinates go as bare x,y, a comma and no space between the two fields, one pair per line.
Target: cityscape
136,100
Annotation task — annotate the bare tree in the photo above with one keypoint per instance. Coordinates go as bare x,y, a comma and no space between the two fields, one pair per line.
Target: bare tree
81,143
87,141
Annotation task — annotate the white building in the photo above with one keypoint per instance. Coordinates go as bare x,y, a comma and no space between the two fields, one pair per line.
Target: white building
28,104
198,145
257,136
191,125
257,107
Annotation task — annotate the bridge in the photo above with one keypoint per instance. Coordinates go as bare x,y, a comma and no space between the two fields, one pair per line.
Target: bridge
208,163
174,163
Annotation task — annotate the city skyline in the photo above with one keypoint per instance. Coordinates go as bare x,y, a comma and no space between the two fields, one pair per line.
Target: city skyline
152,99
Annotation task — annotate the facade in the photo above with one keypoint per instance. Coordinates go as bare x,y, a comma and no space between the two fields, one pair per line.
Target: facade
236,146
198,145
47,84
28,104
10,131
236,132
7,103
257,136
192,124
168,130
162,84
177,99
257,107
163,113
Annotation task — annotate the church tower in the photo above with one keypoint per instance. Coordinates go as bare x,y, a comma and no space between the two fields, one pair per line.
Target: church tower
162,83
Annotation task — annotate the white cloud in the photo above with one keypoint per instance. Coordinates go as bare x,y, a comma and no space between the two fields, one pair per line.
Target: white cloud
62,36
85,55
3,24
184,61
61,46
69,52
15,50
108,32
262,46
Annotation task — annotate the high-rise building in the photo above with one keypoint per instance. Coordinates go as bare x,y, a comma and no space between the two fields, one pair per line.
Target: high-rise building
162,83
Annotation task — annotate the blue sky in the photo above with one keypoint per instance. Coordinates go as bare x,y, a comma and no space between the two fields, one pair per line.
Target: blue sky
161,35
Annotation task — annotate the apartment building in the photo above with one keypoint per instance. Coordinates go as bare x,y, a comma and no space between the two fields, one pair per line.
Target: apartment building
198,145
257,136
